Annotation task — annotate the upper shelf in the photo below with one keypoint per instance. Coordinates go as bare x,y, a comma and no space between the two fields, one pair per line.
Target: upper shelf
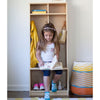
48,3
50,14
49,7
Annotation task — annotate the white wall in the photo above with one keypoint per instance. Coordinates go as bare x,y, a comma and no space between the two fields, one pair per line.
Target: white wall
79,31
79,38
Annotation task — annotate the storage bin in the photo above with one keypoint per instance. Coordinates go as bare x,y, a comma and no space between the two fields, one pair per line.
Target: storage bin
82,78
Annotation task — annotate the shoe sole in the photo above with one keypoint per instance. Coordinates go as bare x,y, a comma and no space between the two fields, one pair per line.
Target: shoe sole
36,88
41,88
54,90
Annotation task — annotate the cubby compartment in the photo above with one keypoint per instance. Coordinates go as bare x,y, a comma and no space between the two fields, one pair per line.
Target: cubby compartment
58,21
63,80
36,77
38,7
39,22
57,8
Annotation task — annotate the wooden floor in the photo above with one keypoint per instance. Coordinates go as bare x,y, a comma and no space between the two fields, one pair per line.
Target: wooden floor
25,94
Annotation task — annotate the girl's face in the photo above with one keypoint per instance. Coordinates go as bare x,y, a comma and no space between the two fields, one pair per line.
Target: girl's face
48,36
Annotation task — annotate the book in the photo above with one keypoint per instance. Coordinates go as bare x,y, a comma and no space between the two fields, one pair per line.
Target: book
39,11
54,65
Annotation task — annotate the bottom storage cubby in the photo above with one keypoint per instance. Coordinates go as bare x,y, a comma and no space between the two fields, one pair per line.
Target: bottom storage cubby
36,77
59,93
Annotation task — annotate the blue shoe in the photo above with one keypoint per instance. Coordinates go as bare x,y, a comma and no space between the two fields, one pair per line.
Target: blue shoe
54,87
47,96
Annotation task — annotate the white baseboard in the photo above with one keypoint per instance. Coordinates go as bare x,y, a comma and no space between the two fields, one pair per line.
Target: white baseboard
18,87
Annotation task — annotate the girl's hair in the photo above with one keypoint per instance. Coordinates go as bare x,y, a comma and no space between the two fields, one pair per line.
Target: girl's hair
49,27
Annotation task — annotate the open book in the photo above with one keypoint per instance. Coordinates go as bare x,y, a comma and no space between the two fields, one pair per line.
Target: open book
53,65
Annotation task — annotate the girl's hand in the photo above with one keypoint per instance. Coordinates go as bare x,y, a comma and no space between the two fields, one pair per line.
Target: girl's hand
41,63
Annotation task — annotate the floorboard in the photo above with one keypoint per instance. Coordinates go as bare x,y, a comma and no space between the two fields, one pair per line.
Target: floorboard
25,94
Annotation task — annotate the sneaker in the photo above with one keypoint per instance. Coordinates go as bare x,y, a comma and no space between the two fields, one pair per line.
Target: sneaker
47,96
36,87
54,87
41,85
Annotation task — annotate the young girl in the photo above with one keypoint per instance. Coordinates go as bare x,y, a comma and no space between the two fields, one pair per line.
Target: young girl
47,47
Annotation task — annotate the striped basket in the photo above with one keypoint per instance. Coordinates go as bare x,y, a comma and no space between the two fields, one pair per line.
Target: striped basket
82,78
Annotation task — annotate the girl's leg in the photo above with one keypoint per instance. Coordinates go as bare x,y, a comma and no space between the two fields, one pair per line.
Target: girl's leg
55,79
46,81
57,76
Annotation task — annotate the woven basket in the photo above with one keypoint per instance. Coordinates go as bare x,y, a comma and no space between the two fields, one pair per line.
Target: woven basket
82,78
